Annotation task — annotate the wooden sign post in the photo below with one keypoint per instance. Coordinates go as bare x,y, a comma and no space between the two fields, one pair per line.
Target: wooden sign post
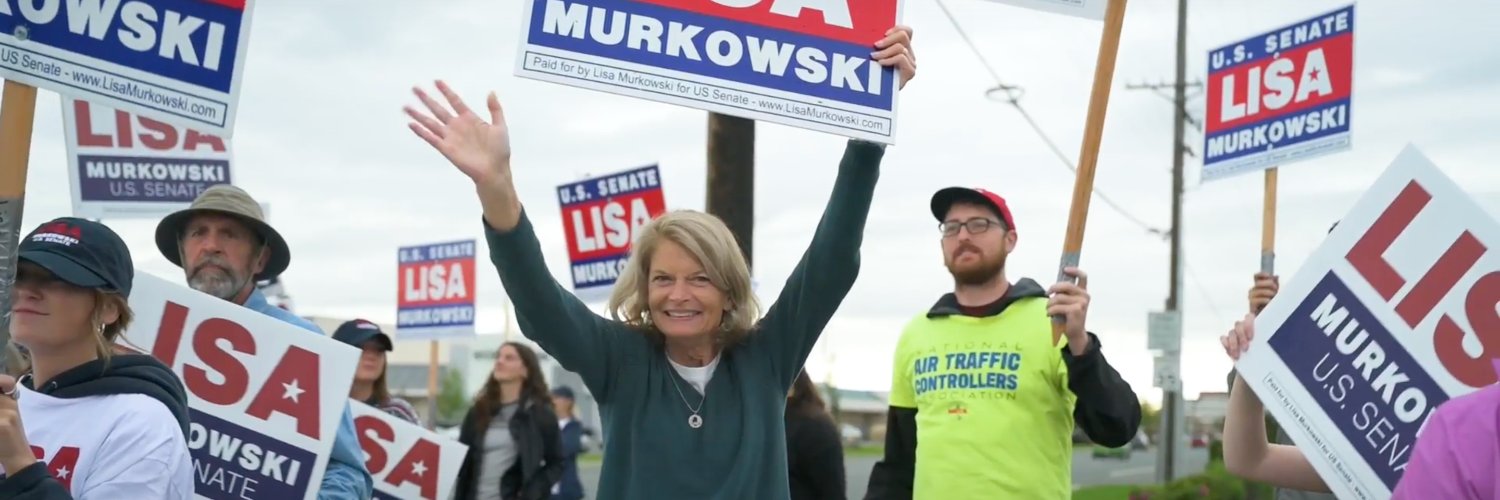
1268,226
1093,134
17,116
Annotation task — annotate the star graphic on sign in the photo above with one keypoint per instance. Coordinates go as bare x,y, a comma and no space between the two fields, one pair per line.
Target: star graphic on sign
62,472
418,468
292,391
1314,74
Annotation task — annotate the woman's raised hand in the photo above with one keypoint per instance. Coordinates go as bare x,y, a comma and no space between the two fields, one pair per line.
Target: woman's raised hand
1237,341
480,150
895,50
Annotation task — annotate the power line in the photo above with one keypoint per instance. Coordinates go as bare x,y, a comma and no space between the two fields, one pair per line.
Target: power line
1203,291
1013,95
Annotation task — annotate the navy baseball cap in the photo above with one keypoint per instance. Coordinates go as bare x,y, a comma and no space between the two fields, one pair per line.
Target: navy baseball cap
563,391
946,197
81,252
358,331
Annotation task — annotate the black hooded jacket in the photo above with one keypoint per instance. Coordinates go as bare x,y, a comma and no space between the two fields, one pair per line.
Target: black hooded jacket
121,374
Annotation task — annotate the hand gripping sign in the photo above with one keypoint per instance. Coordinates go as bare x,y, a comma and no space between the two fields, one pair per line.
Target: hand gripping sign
1393,315
803,63
178,61
265,397
126,165
407,461
1281,96
601,217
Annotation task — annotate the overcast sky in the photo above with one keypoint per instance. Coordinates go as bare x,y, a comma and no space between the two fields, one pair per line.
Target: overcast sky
321,111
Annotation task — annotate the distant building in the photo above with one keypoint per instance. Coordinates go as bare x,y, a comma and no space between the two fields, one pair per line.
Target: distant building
863,410
1205,415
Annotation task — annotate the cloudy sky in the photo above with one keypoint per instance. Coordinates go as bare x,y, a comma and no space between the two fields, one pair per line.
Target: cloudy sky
320,112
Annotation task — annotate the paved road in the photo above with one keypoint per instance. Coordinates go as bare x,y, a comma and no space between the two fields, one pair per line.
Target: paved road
1139,468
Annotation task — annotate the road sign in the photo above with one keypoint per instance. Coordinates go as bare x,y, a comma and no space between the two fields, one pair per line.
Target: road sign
1167,372
1164,331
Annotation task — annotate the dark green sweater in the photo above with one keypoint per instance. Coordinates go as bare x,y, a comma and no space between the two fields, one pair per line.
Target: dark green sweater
740,451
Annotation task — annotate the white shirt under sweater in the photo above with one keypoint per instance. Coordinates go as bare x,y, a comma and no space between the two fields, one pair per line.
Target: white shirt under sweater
697,376
119,446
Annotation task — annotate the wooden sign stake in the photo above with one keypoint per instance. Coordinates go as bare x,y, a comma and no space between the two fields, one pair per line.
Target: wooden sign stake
1093,133
17,116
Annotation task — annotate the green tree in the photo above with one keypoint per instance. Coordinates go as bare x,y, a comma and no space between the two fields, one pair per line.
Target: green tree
1150,418
452,401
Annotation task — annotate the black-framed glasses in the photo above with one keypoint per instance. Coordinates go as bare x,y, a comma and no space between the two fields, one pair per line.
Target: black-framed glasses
975,226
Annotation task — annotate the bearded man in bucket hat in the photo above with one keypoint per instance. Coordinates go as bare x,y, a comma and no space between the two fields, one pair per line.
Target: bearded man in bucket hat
224,245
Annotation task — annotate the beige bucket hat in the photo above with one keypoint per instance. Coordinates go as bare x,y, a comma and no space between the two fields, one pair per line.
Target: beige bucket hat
228,200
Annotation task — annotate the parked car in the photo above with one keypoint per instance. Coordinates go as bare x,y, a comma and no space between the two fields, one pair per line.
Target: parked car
1122,453
851,434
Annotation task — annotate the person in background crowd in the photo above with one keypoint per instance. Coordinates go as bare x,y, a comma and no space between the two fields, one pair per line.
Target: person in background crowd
1245,443
369,378
223,244
569,487
96,424
815,450
1261,293
1446,462
982,384
684,320
515,452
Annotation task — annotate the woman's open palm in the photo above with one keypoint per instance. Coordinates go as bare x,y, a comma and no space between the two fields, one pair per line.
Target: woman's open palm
480,150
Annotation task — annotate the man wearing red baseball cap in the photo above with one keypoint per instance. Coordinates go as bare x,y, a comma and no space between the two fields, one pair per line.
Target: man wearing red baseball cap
979,381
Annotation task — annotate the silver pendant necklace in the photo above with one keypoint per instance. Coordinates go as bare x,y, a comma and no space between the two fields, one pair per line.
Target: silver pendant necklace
695,421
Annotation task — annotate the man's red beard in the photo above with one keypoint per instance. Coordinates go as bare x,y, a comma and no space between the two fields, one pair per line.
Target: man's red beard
979,273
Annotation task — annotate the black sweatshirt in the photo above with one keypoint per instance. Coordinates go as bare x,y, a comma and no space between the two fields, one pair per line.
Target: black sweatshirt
815,457
1107,408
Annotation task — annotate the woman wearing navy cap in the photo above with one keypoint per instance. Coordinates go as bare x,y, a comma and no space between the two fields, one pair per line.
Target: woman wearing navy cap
369,378
96,424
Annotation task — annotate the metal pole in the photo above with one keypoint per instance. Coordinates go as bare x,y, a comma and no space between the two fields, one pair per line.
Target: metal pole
1172,399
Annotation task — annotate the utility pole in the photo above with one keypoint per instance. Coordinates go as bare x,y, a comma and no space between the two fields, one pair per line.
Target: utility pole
731,177
1172,403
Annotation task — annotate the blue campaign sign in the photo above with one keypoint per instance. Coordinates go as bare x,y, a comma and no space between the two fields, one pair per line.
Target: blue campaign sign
1281,96
803,63
1388,320
435,290
1359,374
234,461
178,61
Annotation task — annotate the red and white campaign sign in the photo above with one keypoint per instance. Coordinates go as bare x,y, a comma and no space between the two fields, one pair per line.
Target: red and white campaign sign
600,219
406,460
265,397
1392,316
122,164
1281,96
435,290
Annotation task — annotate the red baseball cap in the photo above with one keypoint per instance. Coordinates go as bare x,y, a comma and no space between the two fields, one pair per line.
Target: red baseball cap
944,199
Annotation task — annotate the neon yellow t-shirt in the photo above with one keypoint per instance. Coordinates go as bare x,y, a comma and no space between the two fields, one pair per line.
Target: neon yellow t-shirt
994,413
